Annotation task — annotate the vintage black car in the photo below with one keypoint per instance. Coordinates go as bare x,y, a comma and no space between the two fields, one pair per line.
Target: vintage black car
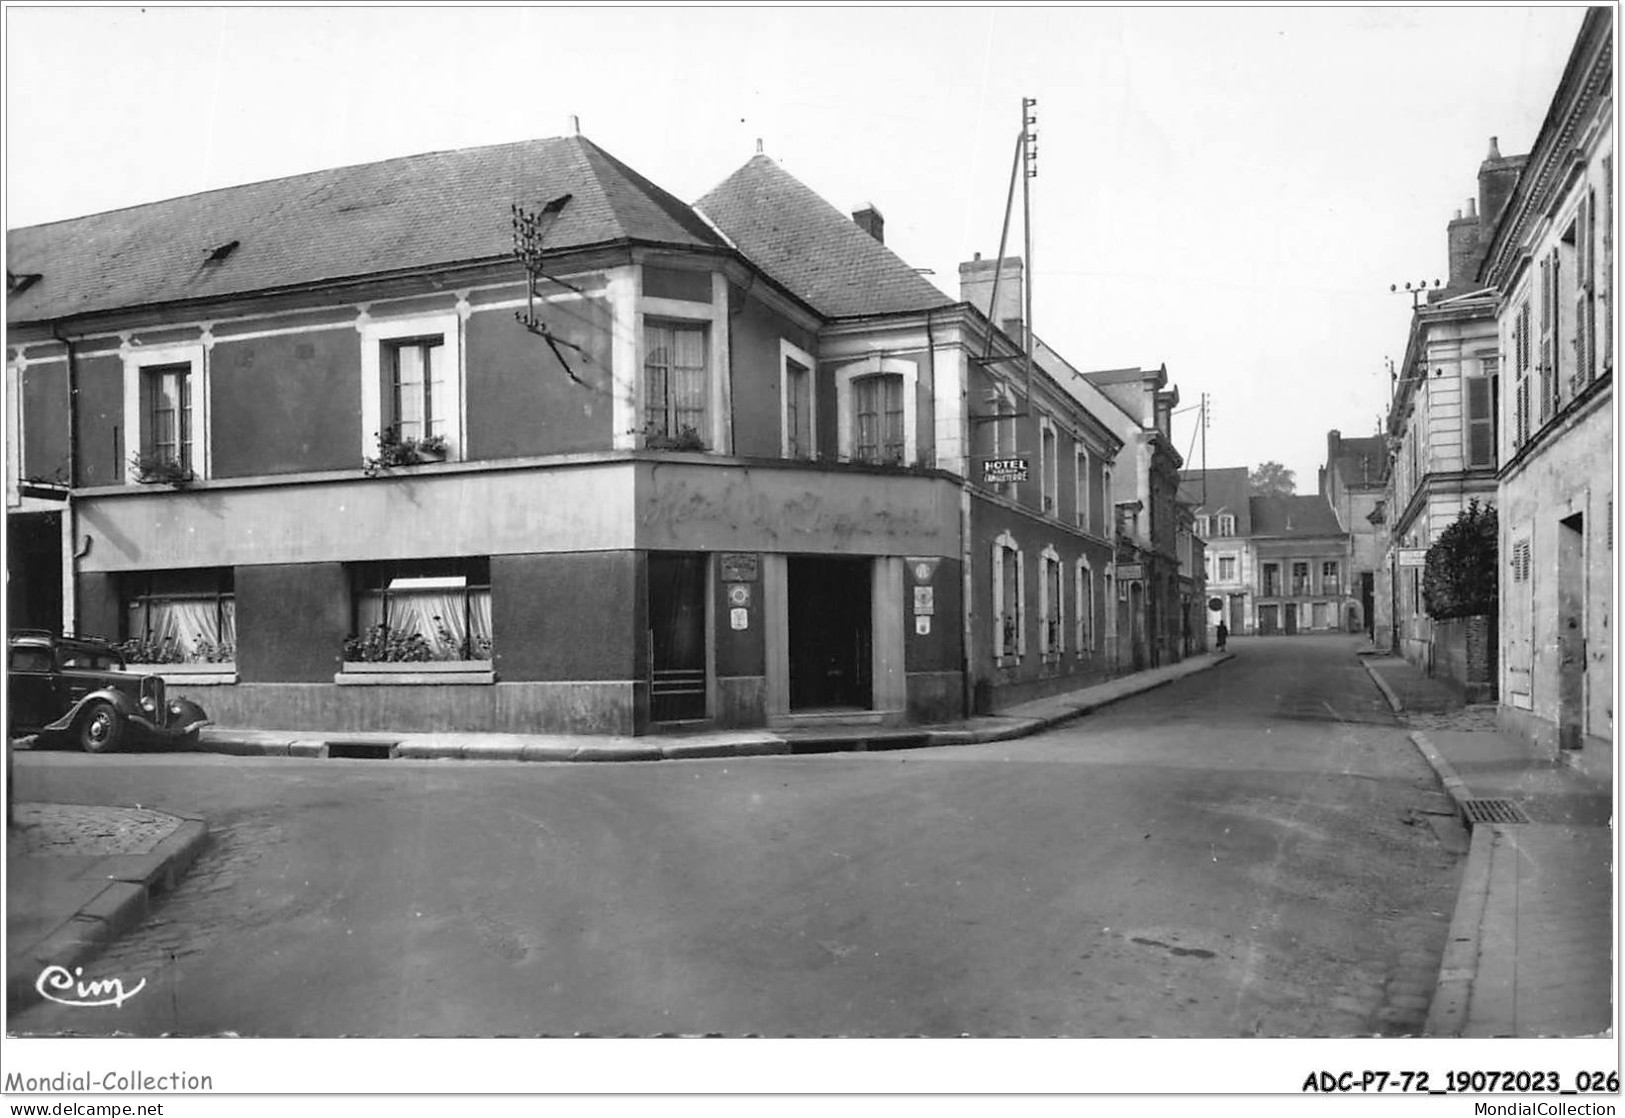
75,690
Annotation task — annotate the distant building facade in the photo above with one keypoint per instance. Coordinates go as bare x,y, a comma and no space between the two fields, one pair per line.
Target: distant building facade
1353,482
1300,554
1038,466
1222,518
1145,496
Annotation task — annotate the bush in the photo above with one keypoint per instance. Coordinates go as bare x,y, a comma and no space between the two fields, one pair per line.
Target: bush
1460,578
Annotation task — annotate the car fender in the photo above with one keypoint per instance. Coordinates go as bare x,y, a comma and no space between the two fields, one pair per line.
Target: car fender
185,716
127,708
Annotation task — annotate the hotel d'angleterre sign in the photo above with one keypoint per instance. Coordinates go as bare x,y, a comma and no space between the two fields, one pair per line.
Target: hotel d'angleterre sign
1001,471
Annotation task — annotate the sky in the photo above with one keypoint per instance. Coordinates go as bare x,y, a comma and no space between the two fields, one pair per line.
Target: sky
1226,191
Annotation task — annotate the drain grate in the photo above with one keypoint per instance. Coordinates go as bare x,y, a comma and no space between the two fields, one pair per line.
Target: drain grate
362,750
1492,811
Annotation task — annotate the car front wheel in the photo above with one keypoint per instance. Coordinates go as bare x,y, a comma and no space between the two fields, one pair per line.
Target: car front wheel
100,728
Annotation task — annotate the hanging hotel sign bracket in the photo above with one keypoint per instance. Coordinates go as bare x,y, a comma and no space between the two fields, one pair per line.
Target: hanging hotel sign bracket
530,229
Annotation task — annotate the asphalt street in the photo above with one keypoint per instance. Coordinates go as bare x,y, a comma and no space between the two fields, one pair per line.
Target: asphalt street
1247,852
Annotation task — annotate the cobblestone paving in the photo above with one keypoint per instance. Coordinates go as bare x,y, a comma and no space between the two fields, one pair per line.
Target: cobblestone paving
202,906
80,829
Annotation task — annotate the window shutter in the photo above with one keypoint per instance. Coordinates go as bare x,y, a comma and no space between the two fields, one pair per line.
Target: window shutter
1586,319
1608,265
1480,423
1523,346
143,439
1520,334
1021,603
998,599
1520,561
1523,411
1547,287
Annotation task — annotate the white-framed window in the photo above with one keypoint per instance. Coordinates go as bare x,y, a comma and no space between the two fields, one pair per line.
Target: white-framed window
798,422
412,381
1330,578
1271,586
1083,598
1009,599
1202,526
180,617
1051,604
1300,578
1081,488
166,407
676,384
1227,524
1049,466
1106,505
875,403
877,419
1227,568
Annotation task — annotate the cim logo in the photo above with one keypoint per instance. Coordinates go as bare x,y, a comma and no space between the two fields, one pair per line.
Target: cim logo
56,984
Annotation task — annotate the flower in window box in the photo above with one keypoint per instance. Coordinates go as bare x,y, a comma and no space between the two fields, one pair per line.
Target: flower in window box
394,449
687,438
146,650
384,645
152,468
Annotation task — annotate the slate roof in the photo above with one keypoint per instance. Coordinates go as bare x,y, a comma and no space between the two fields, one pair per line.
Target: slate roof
1362,461
811,248
1227,492
1294,516
441,208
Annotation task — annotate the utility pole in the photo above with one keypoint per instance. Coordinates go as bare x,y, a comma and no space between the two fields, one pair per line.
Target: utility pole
1204,450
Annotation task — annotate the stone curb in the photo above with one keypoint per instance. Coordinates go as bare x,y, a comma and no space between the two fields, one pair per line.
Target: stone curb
120,906
467,747
1458,968
1453,784
1453,992
1385,687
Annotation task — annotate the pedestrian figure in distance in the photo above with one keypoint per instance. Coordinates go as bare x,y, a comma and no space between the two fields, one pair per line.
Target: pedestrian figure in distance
1224,635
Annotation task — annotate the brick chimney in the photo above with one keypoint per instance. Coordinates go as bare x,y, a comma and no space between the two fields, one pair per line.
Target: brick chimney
1465,237
976,288
870,221
1468,234
1497,176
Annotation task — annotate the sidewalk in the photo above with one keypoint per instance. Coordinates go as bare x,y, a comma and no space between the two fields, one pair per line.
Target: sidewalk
1530,952
1012,722
79,876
